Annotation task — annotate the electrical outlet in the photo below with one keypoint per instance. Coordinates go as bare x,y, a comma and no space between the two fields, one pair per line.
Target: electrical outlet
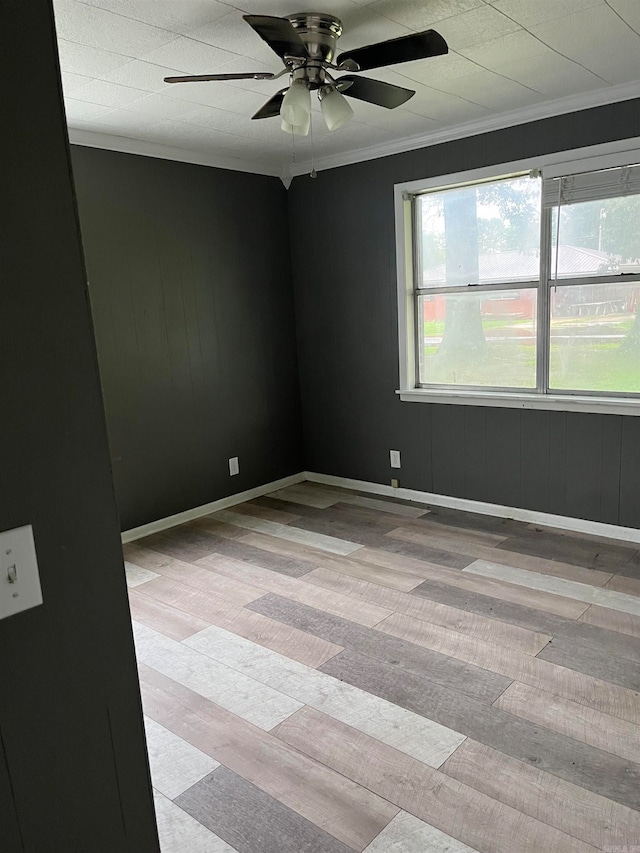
394,456
234,466
395,483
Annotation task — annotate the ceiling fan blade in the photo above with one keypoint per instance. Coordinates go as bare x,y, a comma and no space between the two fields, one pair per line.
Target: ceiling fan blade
403,49
200,78
272,107
374,91
279,34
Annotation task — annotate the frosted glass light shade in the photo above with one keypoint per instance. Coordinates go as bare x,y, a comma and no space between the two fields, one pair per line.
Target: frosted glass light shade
302,130
335,109
296,104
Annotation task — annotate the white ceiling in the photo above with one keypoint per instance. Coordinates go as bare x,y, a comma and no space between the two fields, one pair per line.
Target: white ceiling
505,56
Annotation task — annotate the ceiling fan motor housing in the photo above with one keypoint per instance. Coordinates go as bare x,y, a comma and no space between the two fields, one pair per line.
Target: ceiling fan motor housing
319,32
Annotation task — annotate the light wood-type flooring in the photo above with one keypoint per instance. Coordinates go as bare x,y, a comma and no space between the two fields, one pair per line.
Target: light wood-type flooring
324,671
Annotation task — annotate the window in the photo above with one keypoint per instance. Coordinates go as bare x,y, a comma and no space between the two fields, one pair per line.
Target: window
522,289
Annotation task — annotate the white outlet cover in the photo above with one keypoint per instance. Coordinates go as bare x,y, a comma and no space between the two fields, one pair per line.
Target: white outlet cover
234,466
394,458
18,560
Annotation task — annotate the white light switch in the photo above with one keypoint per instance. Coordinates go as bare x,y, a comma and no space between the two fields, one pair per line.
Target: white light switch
394,458
19,576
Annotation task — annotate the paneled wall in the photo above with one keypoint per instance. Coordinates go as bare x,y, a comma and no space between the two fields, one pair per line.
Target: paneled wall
580,465
73,768
190,285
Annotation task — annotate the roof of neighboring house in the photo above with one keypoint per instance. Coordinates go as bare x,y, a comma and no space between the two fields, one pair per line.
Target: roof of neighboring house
520,266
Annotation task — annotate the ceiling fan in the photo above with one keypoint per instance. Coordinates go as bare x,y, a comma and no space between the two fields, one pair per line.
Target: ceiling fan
306,44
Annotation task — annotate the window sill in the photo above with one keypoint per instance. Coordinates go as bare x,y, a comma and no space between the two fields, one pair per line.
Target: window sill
519,400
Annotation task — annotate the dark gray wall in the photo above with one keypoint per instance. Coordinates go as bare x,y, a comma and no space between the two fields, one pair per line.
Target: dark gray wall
577,465
73,769
190,286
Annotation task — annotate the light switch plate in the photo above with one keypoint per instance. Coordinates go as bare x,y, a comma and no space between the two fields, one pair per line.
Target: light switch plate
19,575
394,458
234,466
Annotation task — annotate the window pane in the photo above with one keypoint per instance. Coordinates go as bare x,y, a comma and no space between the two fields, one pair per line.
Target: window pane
482,234
483,339
597,237
595,338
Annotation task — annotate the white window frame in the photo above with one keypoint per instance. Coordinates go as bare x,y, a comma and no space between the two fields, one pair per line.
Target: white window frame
553,165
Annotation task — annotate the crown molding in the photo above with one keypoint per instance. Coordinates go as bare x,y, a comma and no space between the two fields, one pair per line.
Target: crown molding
524,115
127,145
286,172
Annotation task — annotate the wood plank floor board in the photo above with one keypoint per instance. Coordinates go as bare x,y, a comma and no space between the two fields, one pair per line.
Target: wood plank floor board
632,568
533,528
492,630
166,620
250,820
277,515
183,542
209,524
305,554
430,525
582,630
569,808
246,697
297,590
620,583
452,807
284,505
175,764
543,565
548,602
570,549
587,725
338,805
216,610
384,506
137,576
601,772
287,559
197,577
306,497
577,686
368,572
612,620
456,518
611,599
431,742
428,665
436,552
439,556
297,533
363,518
590,660
423,534
431,538
179,832
408,834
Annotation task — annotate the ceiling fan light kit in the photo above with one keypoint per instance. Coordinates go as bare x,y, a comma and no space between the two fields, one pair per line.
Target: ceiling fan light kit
296,104
335,107
300,130
306,45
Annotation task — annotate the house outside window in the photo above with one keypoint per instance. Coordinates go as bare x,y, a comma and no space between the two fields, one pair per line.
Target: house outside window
522,288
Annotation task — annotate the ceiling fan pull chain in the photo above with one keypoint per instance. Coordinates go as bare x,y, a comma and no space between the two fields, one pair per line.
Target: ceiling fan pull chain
312,173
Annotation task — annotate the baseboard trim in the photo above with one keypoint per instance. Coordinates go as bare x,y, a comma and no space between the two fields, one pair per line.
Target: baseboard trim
544,519
214,506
